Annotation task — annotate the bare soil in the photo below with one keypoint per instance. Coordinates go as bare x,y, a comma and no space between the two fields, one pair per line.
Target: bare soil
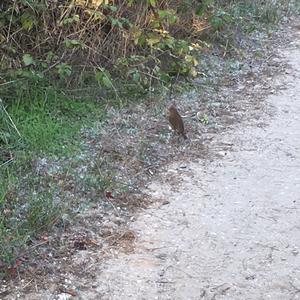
224,219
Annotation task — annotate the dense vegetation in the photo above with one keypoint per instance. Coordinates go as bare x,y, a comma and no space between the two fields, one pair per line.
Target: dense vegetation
90,43
63,62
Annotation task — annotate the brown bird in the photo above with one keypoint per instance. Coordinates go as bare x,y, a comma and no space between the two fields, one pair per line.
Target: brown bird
175,120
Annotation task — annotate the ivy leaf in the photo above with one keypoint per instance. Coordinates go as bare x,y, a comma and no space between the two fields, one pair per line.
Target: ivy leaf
28,60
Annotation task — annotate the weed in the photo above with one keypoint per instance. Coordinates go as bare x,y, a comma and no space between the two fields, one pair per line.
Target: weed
39,123
47,121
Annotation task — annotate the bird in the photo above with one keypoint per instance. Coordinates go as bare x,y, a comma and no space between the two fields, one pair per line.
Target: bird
175,120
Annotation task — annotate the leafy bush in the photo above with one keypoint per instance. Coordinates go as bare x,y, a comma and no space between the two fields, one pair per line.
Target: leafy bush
132,40
88,43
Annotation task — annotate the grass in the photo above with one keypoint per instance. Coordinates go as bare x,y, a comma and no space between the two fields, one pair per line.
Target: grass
38,123
48,121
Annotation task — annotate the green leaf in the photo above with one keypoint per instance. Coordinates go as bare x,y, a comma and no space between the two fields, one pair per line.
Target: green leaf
136,77
152,39
106,81
73,43
28,20
129,3
28,60
64,70
168,15
73,19
104,77
202,7
50,57
29,74
152,2
96,15
113,8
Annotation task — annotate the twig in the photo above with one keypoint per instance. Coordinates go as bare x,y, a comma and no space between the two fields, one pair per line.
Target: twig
10,21
9,82
114,207
39,244
165,282
24,286
226,48
68,291
12,122
7,162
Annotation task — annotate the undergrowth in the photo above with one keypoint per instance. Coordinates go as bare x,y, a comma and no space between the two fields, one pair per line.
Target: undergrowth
63,64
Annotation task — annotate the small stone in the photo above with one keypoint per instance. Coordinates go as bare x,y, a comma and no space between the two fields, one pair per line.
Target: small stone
283,259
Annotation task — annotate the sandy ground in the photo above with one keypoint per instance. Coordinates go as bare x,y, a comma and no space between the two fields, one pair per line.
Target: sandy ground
229,229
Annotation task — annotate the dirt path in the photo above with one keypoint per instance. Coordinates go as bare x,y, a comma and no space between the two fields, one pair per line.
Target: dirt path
231,229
